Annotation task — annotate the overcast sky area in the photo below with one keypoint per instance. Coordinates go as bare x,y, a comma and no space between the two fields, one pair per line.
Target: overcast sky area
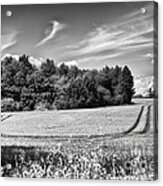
86,35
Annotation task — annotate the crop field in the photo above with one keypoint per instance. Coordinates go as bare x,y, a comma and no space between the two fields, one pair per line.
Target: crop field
42,128
116,128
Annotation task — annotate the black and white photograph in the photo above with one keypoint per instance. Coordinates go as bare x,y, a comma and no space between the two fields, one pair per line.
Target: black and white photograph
79,91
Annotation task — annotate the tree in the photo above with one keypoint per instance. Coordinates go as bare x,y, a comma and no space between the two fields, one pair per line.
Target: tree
125,86
63,70
48,68
27,87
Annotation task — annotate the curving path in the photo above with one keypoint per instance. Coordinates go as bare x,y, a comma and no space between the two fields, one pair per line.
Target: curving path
137,128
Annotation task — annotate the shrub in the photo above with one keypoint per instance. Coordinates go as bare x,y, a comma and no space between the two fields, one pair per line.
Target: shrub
61,104
26,108
8,104
42,106
118,100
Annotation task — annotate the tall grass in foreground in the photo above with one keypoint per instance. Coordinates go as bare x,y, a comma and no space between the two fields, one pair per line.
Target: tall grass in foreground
101,163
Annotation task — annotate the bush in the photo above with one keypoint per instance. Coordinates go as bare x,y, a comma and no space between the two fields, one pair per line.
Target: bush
43,106
8,104
118,100
26,108
61,104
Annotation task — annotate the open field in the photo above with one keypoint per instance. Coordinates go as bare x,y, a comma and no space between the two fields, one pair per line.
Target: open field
102,125
104,139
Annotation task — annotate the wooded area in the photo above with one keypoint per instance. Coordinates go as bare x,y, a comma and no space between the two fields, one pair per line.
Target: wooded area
26,87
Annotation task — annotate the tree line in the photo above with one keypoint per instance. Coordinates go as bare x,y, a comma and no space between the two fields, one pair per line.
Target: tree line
26,87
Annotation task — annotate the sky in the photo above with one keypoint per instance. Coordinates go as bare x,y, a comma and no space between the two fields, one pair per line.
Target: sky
90,35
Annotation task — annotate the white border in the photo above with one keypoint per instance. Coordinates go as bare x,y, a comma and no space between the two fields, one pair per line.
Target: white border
61,182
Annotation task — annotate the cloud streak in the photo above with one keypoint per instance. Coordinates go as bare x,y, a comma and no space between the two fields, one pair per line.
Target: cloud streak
126,34
8,40
98,58
56,27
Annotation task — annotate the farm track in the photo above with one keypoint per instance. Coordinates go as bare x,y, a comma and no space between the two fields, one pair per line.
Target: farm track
5,117
136,123
147,124
130,131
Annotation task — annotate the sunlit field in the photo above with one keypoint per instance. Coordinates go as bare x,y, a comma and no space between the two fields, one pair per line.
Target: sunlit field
88,126
83,131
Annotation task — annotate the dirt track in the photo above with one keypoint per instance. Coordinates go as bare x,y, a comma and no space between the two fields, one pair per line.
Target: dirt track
146,124
134,129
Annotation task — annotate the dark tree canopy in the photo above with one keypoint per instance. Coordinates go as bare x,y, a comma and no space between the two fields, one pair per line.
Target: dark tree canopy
27,87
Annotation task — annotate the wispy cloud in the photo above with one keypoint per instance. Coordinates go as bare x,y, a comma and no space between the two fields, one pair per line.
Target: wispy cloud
55,27
98,57
8,40
127,33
